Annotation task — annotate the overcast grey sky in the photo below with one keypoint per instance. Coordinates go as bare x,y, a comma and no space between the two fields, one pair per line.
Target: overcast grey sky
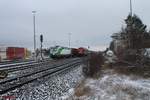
91,22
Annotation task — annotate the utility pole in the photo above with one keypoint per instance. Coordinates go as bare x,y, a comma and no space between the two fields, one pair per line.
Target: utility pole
69,38
131,7
34,12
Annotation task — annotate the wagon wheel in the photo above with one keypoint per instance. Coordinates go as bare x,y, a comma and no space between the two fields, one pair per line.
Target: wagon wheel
3,74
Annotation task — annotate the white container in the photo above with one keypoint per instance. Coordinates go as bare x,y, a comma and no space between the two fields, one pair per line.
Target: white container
3,55
3,49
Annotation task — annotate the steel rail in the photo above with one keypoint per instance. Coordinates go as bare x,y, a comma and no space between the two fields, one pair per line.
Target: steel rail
16,61
16,67
19,64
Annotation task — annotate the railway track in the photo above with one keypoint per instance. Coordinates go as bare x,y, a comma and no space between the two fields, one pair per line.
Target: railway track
9,84
7,63
21,66
12,62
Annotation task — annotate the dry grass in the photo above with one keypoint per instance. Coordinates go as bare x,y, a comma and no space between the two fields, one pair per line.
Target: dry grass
142,71
82,90
93,66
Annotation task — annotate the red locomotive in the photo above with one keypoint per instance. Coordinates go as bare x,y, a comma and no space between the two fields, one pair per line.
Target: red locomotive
79,51
74,51
82,51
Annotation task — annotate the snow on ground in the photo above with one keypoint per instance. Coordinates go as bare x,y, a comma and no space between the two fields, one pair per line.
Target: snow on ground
111,86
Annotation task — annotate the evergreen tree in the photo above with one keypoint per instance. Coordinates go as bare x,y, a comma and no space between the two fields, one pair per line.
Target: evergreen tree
135,31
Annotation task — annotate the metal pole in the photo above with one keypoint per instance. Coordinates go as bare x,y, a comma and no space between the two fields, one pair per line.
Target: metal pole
34,12
41,51
69,39
131,7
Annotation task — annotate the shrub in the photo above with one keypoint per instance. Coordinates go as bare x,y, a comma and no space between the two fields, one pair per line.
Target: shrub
93,63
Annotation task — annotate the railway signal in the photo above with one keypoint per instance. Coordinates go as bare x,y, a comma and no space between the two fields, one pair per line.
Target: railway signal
41,40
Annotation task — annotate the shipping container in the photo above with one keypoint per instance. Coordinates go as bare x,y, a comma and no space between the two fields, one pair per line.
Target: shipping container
27,54
15,53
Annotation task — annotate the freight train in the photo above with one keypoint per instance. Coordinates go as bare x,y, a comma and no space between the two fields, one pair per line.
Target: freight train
64,52
13,53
